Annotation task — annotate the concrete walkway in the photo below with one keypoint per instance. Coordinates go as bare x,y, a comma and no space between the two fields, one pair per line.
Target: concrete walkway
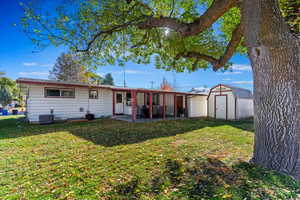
127,118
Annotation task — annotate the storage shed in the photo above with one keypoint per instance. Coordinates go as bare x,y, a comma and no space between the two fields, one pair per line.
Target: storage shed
229,102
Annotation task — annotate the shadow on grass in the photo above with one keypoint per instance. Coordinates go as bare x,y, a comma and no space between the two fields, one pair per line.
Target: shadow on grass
108,132
209,179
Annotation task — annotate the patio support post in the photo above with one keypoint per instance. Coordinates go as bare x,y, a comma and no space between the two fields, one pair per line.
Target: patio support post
150,105
186,106
175,106
133,105
113,104
164,106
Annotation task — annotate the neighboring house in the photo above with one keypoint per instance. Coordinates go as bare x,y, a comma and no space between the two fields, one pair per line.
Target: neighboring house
12,105
66,100
229,102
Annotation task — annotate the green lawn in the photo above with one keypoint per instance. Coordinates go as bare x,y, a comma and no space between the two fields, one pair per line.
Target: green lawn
107,159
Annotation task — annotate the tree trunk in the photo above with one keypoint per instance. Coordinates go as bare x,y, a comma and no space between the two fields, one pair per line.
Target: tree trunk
274,54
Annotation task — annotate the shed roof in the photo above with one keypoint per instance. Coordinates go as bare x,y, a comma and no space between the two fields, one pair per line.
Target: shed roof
47,82
238,92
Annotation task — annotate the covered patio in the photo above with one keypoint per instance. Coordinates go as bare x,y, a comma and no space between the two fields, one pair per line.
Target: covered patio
141,105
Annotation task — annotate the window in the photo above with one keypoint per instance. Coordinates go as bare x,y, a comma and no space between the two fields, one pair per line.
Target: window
119,98
52,93
60,92
70,93
128,99
93,94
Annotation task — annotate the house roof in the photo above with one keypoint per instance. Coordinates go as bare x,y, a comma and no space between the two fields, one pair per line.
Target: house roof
238,92
31,81
204,91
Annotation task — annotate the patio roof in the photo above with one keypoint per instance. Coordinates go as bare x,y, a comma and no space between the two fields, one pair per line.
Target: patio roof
31,81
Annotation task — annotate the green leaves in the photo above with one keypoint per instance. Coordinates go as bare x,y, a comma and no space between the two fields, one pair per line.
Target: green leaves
290,10
8,91
5,96
107,33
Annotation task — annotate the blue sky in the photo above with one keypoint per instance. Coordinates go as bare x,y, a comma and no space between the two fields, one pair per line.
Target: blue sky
18,60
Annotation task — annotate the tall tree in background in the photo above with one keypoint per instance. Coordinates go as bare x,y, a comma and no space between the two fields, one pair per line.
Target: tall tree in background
195,34
8,91
5,96
108,79
95,79
67,68
165,85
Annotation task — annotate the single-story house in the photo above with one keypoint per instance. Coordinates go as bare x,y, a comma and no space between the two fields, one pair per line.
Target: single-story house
69,100
229,102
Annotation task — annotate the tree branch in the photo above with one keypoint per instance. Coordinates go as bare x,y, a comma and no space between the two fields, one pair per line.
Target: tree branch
212,14
105,32
234,42
173,6
215,11
236,38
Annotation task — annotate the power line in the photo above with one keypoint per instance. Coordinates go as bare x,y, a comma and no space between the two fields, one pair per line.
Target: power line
152,83
124,76
174,80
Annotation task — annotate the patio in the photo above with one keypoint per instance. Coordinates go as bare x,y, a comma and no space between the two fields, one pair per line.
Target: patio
128,118
140,105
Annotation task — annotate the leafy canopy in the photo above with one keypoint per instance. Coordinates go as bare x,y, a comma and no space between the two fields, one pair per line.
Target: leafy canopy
291,12
77,26
116,31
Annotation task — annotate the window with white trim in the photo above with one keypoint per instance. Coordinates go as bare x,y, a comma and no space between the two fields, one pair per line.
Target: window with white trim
93,94
60,92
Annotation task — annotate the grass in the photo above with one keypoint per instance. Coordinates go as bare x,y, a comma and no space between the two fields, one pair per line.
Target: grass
108,159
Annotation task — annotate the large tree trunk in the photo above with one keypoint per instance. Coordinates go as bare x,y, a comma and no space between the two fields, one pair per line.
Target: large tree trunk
274,54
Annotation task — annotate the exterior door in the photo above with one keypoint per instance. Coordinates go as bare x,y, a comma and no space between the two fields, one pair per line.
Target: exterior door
119,109
179,106
221,107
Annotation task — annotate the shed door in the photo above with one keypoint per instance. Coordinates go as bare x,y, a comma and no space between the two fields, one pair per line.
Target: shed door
221,103
119,103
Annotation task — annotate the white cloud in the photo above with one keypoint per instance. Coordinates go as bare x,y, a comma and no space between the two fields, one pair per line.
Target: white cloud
226,79
236,69
128,71
29,63
242,82
201,89
40,74
241,67
47,65
230,73
135,72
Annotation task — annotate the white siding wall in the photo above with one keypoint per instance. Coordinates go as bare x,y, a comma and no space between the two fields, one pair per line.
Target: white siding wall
170,104
244,108
211,105
197,106
65,108
103,105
